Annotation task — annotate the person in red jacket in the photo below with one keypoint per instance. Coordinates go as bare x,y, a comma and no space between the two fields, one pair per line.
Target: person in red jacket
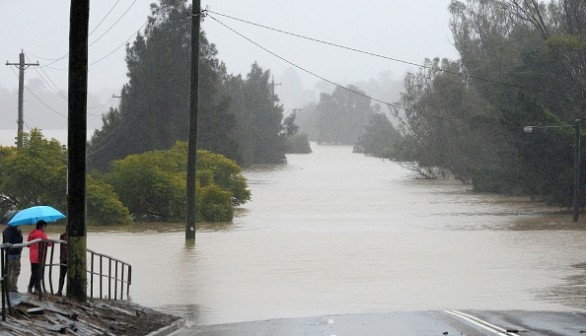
37,257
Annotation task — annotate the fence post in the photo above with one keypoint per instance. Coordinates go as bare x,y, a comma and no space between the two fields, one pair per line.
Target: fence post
5,294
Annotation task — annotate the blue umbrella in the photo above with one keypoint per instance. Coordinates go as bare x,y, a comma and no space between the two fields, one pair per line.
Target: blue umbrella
31,216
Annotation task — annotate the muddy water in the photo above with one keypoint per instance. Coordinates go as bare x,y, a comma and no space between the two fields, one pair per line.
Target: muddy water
336,232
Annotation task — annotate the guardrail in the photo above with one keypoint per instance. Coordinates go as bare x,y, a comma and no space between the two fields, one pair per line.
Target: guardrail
108,271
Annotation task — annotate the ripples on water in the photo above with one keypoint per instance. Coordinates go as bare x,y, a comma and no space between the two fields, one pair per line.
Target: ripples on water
335,232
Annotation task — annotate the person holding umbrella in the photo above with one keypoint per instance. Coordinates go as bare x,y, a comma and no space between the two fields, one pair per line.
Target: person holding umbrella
37,257
39,215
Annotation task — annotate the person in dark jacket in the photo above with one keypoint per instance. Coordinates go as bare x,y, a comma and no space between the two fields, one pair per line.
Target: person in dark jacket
12,235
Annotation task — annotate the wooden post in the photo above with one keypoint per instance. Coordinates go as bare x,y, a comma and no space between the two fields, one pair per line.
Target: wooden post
21,65
76,142
190,209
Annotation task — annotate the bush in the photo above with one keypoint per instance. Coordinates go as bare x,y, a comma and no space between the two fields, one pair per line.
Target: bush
298,144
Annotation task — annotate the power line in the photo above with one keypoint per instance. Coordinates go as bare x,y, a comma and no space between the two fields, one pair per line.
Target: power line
55,60
310,72
114,24
104,18
49,107
364,52
52,84
120,46
42,102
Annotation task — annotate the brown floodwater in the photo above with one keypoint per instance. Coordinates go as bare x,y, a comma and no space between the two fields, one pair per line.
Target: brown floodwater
334,232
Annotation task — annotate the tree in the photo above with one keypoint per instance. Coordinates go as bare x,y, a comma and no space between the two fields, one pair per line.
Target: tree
289,127
521,63
380,138
343,115
295,142
308,121
104,206
36,175
436,104
152,185
262,117
153,111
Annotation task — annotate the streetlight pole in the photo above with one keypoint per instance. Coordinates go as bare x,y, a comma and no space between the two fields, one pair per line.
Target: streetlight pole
576,127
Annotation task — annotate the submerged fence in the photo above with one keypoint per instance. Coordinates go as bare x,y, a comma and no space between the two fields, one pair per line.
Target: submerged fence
109,278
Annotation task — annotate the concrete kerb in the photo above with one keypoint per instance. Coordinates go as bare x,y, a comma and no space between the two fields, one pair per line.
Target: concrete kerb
168,330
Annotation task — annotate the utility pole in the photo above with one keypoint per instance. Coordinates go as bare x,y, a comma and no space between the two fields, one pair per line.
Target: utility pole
190,206
273,88
21,65
76,143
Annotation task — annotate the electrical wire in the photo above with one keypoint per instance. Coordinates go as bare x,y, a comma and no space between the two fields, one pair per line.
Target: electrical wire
104,18
55,60
121,45
60,93
50,82
113,25
389,105
39,99
42,102
365,52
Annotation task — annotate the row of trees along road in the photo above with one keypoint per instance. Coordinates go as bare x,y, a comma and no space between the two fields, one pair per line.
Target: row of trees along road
238,117
523,63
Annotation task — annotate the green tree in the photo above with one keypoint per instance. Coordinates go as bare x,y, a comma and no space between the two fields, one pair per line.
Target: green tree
289,126
264,117
520,64
152,185
380,138
154,106
104,206
36,174
343,116
295,142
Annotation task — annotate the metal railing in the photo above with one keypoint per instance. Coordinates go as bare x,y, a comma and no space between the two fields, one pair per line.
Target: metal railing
111,272
118,279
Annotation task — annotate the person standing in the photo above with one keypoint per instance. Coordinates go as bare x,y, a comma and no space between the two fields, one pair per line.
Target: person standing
12,235
37,257
62,262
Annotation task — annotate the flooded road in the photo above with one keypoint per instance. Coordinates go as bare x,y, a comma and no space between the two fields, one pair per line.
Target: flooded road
337,233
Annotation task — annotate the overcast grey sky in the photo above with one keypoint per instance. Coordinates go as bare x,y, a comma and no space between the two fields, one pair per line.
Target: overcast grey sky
410,30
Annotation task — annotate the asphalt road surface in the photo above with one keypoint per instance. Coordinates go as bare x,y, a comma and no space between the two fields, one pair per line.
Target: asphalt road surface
427,323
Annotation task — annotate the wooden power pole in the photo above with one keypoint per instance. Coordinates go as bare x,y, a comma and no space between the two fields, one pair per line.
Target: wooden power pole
21,65
76,143
190,205
273,89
